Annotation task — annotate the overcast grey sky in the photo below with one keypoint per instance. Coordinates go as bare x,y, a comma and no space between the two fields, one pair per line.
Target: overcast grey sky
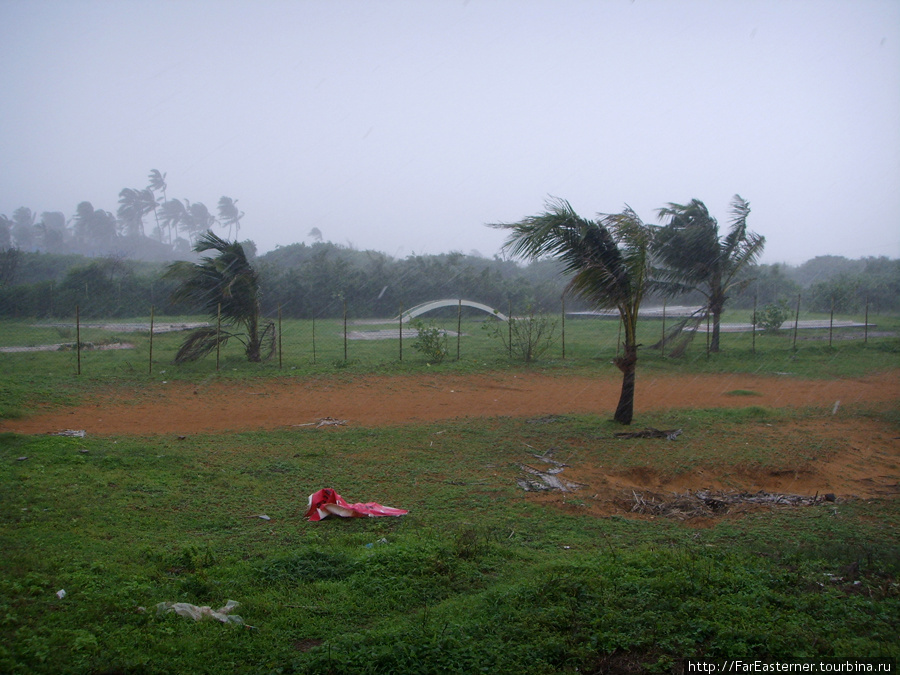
407,125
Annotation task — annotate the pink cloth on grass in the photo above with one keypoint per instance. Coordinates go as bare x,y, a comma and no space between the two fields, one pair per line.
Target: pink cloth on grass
327,502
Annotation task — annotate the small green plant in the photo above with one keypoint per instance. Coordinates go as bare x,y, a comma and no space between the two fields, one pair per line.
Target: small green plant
772,316
527,337
430,341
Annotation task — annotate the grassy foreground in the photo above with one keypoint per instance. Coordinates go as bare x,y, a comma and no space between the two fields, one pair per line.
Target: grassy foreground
478,577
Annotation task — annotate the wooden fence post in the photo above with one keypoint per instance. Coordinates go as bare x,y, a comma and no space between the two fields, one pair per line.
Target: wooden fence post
707,331
662,342
458,328
866,329
150,369
563,299
509,320
753,324
218,331
831,322
78,338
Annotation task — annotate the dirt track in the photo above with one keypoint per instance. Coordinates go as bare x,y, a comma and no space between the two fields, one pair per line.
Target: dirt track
180,408
866,466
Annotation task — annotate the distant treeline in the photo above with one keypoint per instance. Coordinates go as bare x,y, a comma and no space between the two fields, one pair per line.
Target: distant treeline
173,225
320,279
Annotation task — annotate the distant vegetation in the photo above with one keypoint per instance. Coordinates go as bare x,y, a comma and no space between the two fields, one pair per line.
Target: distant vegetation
309,281
113,265
174,226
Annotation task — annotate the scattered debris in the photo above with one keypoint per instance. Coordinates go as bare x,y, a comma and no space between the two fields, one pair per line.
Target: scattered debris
707,503
650,432
61,593
324,422
262,516
327,502
537,480
196,613
330,422
73,433
21,459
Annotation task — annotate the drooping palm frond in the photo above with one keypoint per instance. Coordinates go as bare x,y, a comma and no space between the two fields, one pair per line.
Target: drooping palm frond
200,343
692,255
740,248
226,287
587,250
227,279
688,246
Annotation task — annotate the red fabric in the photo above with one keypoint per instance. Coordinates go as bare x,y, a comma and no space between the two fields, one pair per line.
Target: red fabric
327,502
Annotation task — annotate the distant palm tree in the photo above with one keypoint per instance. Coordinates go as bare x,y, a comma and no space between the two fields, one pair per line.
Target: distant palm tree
693,256
227,280
53,232
158,184
197,220
6,226
134,204
230,216
23,229
609,260
173,212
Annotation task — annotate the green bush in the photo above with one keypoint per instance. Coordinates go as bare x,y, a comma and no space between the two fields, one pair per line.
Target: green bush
771,317
431,341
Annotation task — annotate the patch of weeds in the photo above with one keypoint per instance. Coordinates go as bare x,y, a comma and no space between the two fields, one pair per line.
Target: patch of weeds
742,392
305,566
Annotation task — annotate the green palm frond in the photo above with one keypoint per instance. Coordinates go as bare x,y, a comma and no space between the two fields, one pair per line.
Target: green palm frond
200,343
226,287
602,272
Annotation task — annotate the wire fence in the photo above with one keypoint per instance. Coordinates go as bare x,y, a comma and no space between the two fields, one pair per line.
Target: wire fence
456,331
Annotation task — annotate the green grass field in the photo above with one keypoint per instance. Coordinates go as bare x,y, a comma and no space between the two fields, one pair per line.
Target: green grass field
478,577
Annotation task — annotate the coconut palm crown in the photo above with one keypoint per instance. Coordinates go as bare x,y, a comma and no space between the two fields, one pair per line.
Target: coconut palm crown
693,256
609,263
225,286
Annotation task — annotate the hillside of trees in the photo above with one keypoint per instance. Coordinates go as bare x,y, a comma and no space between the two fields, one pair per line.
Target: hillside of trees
113,264
315,280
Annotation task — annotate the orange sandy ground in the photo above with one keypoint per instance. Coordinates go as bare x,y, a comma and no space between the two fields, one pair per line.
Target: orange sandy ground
867,466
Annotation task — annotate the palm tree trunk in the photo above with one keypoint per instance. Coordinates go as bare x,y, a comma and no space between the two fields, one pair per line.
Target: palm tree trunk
716,306
628,365
253,342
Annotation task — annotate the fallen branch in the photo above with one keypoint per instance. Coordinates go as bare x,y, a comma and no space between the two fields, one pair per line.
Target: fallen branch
670,434
707,503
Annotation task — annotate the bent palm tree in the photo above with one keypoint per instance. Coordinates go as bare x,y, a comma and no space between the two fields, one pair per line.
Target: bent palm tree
157,183
609,260
695,258
229,215
134,204
227,281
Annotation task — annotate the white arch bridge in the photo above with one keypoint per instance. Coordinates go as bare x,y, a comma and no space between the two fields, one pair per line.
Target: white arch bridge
418,310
